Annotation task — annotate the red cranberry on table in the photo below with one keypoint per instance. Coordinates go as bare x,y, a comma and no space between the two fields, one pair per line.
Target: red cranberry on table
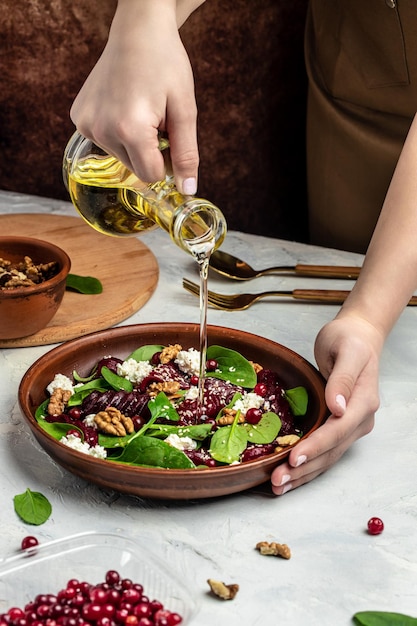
29,542
375,526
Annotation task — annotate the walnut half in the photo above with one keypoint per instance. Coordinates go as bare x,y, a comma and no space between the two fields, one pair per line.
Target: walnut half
113,422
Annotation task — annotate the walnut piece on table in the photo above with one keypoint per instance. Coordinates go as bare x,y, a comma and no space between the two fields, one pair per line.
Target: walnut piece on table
221,590
274,549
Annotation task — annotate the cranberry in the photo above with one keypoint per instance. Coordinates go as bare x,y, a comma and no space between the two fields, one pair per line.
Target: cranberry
211,365
194,379
260,389
74,412
29,542
375,526
156,358
112,577
253,416
74,432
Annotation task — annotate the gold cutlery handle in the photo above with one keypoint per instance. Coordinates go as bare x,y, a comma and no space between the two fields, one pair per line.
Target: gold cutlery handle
322,295
327,271
335,296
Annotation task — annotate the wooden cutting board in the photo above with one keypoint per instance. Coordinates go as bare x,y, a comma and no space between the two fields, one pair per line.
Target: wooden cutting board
126,267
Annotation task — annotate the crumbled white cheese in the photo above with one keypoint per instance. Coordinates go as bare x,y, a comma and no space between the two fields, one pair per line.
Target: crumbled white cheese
90,421
182,443
74,442
135,371
191,393
188,361
248,401
60,382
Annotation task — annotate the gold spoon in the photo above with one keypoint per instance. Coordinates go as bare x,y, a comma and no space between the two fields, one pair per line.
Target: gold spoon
232,267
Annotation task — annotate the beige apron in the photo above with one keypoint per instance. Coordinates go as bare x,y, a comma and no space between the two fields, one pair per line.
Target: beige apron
361,58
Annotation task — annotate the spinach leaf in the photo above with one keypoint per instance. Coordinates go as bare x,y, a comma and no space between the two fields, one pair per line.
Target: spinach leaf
228,442
32,507
57,430
84,284
298,400
265,430
145,353
196,431
380,618
42,410
160,406
98,384
154,453
86,379
119,383
232,366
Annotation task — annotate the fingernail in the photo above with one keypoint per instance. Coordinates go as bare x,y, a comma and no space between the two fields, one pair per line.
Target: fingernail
286,488
301,459
189,186
285,479
341,401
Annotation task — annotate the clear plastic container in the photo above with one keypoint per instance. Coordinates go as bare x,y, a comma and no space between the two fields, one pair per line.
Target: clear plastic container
87,556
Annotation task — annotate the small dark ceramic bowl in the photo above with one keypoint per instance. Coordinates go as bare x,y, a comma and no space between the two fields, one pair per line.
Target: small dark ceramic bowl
26,310
83,353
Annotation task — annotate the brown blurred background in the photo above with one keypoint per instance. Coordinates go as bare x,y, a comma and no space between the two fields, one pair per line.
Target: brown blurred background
251,91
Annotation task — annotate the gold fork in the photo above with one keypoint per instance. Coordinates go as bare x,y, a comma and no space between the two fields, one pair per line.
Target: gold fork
241,301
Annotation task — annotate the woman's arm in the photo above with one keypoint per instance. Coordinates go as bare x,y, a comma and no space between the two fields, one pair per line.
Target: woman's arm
143,83
349,347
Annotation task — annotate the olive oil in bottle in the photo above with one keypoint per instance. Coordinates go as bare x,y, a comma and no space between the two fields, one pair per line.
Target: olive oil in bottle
116,202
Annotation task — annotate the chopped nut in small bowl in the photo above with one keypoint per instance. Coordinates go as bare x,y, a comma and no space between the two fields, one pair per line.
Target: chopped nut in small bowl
32,284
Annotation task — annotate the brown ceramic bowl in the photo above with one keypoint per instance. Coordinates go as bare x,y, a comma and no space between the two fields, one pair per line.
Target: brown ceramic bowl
26,310
83,353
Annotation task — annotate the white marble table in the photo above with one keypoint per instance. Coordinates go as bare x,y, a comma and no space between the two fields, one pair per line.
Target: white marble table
336,568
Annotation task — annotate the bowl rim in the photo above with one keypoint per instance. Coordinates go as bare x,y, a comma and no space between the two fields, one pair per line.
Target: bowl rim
96,463
62,257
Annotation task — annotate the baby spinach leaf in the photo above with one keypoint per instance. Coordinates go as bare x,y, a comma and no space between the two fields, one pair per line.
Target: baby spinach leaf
196,431
232,366
265,430
84,284
381,618
57,430
155,453
32,507
98,384
145,353
42,410
86,379
119,383
228,443
160,406
298,400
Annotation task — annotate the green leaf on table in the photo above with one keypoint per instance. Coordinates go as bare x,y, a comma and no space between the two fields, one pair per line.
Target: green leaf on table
84,284
232,366
265,430
381,618
32,507
145,353
298,400
153,453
